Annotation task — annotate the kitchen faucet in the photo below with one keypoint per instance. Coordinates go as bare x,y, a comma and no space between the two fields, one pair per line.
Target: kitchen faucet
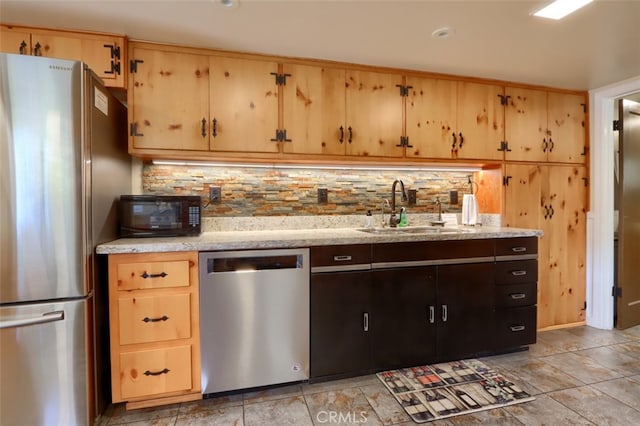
393,219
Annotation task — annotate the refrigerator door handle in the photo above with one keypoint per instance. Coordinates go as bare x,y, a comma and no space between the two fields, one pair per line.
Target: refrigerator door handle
40,319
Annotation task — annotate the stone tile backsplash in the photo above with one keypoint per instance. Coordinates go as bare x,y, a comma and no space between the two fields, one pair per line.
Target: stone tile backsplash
271,192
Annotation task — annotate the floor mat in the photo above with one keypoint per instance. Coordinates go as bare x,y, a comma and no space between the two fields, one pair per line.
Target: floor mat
438,391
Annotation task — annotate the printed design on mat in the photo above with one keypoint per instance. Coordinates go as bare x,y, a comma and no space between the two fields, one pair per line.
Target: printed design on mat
432,392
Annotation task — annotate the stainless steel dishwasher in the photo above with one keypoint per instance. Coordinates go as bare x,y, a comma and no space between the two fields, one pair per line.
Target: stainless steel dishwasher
254,318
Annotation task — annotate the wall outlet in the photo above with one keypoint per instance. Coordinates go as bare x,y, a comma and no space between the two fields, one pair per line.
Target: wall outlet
323,196
215,194
453,197
413,196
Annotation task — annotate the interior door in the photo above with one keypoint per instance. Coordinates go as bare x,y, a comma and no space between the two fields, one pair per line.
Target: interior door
628,304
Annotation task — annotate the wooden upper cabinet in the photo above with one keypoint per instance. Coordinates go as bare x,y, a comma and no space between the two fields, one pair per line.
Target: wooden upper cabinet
480,121
168,100
454,119
103,53
431,117
373,114
244,105
314,110
566,123
544,126
526,124
15,40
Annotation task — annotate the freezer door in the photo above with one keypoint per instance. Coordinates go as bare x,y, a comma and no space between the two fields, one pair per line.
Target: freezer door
44,364
42,222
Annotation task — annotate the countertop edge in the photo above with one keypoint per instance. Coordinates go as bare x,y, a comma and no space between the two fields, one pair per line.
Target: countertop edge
248,240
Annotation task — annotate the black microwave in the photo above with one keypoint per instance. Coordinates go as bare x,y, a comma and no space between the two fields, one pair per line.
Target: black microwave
159,215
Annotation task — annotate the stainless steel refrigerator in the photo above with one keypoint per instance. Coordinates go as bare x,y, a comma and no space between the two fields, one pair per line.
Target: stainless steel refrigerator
63,163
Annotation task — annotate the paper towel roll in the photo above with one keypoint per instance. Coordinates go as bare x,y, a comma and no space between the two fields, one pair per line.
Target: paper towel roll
469,209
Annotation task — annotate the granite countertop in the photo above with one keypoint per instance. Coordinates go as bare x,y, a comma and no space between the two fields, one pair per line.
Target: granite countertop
247,240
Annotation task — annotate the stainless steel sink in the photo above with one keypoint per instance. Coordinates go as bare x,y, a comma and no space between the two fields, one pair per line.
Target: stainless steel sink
413,230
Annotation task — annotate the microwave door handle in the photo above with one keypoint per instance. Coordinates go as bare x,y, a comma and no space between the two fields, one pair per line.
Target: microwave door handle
40,319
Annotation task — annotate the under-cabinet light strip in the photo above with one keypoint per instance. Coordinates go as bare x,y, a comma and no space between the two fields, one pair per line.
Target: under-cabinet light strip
434,168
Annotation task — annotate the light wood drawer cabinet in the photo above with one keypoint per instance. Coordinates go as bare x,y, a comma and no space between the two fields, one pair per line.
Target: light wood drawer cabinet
158,274
154,318
154,328
157,371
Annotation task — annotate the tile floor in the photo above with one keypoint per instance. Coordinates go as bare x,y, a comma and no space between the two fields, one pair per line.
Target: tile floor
579,376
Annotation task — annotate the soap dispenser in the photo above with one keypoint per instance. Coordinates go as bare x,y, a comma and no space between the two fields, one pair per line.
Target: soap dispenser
403,218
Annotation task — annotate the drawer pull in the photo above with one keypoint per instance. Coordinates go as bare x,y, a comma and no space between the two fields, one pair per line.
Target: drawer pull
160,275
365,325
444,313
344,258
157,373
516,328
518,249
517,296
519,273
162,318
432,314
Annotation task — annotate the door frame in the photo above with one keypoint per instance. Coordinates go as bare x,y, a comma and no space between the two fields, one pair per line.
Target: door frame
600,263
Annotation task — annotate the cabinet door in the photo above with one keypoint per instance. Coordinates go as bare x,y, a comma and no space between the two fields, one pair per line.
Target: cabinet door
340,309
169,99
522,197
244,105
431,117
566,127
465,310
93,49
562,288
15,40
480,121
403,317
374,114
314,105
526,124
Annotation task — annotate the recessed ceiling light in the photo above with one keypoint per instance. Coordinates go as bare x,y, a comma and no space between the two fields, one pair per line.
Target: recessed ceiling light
443,32
229,4
561,8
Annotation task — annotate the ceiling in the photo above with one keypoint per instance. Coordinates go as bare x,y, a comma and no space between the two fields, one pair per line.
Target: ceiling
594,47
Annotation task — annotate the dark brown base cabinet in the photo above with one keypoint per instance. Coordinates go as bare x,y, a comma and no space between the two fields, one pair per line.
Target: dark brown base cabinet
370,312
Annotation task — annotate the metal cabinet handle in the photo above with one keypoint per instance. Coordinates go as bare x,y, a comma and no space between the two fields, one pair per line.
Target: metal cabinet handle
518,249
162,318
23,48
545,145
214,127
551,210
160,275
516,328
37,49
342,258
365,323
461,140
444,313
552,145
204,127
518,273
517,296
455,141
432,314
157,373
40,319
350,134
341,134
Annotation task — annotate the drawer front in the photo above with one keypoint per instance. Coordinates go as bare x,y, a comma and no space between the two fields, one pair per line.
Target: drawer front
341,255
515,327
432,250
516,246
154,318
520,271
154,372
515,295
143,275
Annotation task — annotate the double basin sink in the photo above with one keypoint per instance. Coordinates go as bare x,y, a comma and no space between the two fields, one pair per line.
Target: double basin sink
414,230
